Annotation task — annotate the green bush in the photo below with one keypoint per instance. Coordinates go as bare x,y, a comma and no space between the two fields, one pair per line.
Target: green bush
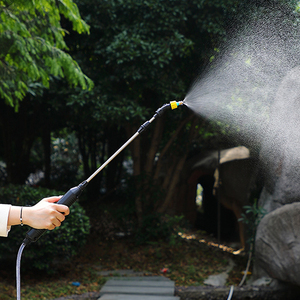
251,218
57,245
157,227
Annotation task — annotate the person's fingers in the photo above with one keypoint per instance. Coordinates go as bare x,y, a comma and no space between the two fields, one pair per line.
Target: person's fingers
60,217
51,227
63,209
56,220
56,223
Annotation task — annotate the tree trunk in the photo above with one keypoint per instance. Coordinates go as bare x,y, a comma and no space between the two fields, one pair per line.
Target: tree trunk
152,169
155,141
173,173
18,132
114,169
173,183
84,155
46,138
168,145
136,157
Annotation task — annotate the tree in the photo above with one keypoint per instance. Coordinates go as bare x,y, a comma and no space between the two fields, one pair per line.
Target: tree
33,54
142,54
33,47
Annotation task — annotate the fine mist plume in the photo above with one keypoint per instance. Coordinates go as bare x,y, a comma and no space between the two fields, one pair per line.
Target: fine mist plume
240,85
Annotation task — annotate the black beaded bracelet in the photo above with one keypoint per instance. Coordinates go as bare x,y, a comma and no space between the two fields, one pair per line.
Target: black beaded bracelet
21,217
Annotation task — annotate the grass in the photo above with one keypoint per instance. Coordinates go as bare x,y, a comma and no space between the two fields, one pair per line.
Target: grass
189,262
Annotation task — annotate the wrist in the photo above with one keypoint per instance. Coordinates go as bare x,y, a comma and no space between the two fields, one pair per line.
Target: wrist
25,215
14,215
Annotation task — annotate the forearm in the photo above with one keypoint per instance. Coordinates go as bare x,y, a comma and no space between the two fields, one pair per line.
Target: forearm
4,213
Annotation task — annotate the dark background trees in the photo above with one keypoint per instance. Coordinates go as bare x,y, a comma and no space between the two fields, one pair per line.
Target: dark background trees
140,55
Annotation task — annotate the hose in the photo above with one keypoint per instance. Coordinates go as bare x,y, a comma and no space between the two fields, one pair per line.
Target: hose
18,271
248,265
230,293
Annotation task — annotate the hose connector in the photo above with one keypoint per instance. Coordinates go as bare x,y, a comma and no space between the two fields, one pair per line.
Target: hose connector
172,104
160,111
175,104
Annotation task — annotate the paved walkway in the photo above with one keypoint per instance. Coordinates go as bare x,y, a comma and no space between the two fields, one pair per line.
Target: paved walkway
138,288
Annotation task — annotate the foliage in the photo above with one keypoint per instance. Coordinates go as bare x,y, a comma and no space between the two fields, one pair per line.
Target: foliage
65,161
117,214
141,54
156,227
252,217
54,246
33,47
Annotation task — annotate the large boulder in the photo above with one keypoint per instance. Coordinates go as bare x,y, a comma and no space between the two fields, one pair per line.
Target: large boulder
277,248
281,148
277,245
204,166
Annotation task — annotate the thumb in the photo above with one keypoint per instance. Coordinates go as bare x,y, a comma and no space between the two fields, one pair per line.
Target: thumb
52,199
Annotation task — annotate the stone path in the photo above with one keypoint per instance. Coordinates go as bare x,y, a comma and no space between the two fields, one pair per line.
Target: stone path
138,288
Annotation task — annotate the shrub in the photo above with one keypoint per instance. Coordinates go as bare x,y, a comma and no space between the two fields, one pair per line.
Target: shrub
56,245
251,218
157,227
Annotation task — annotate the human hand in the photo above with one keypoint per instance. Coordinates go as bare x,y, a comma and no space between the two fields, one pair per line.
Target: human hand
46,214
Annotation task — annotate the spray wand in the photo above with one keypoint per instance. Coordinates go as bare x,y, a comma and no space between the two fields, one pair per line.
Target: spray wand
74,193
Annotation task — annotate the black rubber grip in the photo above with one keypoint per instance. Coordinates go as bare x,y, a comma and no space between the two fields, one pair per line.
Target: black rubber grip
67,199
70,196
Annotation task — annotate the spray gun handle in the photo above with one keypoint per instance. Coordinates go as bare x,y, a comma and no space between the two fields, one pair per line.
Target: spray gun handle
67,199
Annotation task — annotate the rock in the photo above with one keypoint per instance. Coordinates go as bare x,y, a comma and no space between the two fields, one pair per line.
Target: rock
220,279
263,281
216,280
281,147
277,245
239,293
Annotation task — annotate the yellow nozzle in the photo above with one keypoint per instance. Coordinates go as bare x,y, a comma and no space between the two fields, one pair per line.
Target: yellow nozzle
175,104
